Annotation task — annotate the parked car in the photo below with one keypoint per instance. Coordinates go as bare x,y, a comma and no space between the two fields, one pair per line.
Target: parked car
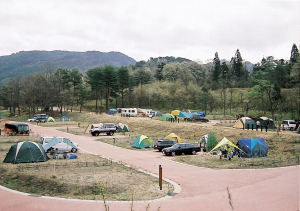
38,118
161,144
63,145
16,129
288,125
181,148
108,128
199,117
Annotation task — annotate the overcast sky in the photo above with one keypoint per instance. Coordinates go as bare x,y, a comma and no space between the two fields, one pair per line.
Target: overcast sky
193,29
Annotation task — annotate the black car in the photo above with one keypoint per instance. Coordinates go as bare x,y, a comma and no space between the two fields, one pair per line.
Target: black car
161,144
181,148
199,117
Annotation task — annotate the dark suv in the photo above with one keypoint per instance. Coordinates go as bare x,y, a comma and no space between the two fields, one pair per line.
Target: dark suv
181,148
161,144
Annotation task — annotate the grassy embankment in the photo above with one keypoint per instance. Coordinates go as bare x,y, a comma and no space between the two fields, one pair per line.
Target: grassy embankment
284,147
88,177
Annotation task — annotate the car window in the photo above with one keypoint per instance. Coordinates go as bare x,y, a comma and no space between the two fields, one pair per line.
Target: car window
292,122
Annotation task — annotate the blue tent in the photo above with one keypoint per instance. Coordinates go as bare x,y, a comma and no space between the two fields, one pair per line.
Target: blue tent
112,111
253,147
64,118
202,113
187,115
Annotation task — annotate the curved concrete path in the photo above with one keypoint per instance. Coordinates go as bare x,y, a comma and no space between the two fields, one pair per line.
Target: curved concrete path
202,188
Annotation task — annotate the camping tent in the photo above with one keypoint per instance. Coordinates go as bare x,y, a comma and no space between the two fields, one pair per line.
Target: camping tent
253,147
50,119
175,112
265,121
245,122
142,142
25,152
173,136
64,118
112,111
55,141
224,142
202,113
187,115
122,128
166,117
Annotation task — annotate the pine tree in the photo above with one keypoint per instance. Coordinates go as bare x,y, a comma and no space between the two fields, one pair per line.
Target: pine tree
217,68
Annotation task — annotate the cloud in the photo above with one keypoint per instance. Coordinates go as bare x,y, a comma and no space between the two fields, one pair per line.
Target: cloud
143,29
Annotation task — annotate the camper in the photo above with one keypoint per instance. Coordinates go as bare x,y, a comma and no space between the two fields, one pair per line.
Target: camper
129,112
145,112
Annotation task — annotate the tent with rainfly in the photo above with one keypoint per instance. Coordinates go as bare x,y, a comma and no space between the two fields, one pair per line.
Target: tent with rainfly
173,136
166,117
265,121
26,152
245,122
175,112
142,142
50,119
187,115
253,147
112,111
224,142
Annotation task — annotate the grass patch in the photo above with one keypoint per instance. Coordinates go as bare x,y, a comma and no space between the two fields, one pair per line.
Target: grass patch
82,178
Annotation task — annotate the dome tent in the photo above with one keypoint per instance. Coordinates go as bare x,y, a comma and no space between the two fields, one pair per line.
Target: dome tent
166,117
50,119
64,118
26,152
253,147
173,136
142,142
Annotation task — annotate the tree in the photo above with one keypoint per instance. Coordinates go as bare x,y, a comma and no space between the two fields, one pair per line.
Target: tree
159,71
110,83
225,71
239,72
216,69
123,76
294,54
94,78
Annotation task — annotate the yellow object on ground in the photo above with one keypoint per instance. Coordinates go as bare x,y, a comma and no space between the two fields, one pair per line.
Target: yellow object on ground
175,112
50,119
224,142
173,136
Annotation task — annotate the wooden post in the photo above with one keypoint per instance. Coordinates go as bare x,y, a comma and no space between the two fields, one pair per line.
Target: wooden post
160,177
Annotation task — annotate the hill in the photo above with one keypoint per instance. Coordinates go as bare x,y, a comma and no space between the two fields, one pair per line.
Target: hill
27,62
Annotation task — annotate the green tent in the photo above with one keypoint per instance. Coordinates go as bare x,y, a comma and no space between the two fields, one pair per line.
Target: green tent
26,152
50,119
225,142
142,142
166,117
125,128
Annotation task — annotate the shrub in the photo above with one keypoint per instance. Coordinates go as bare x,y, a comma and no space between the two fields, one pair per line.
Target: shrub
211,142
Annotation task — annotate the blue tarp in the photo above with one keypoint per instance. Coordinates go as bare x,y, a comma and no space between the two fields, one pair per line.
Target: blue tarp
202,113
253,147
185,115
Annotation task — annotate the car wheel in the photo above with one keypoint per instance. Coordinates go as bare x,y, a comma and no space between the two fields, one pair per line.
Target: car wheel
96,134
111,133
194,152
73,150
173,153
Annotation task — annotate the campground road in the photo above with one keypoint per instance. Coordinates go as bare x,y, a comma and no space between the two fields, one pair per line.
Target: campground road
201,188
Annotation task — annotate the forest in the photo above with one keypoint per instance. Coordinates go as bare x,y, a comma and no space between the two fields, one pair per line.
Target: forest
271,88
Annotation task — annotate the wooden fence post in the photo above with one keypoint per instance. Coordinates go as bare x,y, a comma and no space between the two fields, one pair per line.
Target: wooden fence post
160,177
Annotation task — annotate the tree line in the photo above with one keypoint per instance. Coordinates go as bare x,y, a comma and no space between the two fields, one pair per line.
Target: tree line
163,83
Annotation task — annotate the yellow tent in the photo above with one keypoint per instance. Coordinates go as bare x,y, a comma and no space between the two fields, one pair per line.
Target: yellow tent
224,142
175,112
173,136
50,119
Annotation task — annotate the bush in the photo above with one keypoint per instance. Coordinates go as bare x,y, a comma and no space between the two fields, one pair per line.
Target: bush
211,142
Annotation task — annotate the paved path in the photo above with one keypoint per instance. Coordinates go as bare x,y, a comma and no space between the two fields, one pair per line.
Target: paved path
202,188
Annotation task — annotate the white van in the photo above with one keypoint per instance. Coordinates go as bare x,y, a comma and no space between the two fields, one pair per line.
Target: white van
62,146
288,125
